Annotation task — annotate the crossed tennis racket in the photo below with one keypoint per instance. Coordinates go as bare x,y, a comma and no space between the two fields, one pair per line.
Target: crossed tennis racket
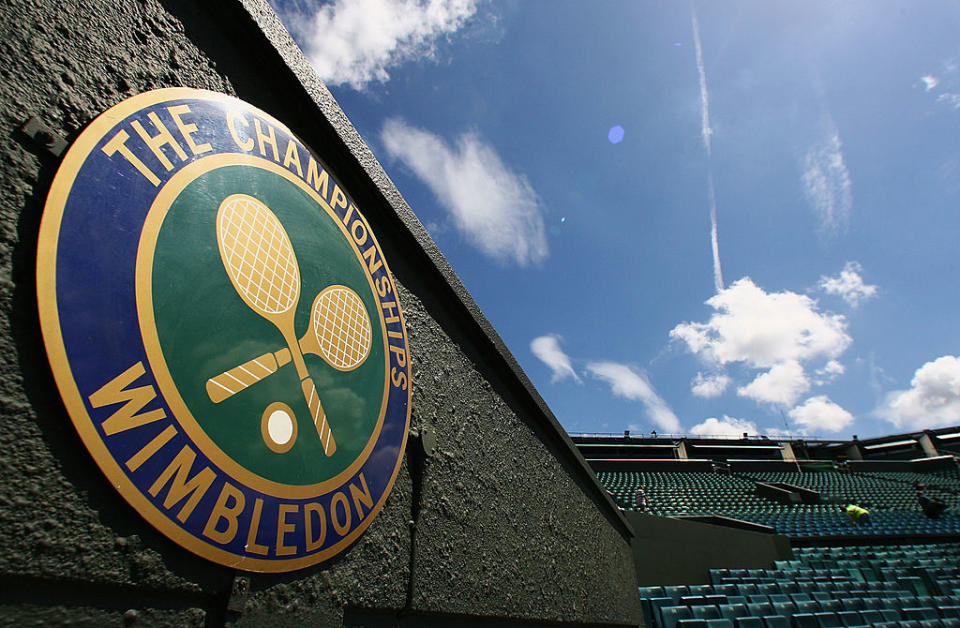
259,259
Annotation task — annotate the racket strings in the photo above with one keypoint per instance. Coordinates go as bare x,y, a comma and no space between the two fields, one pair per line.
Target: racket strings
342,328
259,255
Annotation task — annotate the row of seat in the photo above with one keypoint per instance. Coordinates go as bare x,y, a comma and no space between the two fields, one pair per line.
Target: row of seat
802,615
796,594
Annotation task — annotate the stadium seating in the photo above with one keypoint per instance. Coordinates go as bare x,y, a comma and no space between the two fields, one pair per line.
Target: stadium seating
867,585
890,497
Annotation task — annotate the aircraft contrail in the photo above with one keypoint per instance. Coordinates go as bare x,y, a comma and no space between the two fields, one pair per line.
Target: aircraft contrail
705,133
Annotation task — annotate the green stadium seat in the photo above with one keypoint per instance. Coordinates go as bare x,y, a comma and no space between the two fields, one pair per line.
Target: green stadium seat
732,611
719,623
692,623
828,620
705,612
890,614
760,609
671,615
851,604
805,620
676,591
776,621
850,618
749,622
787,608
871,617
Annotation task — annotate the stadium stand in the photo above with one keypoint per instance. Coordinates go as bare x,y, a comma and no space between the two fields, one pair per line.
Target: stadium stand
901,569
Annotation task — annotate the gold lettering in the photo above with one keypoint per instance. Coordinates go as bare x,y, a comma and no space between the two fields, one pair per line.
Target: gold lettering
156,142
226,513
186,130
361,497
398,378
339,198
318,179
373,262
308,510
291,156
283,527
118,143
391,307
383,284
161,439
401,355
359,236
342,527
180,487
232,118
252,545
115,391
270,139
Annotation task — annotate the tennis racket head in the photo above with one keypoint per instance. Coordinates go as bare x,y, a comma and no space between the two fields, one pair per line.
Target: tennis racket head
257,255
342,327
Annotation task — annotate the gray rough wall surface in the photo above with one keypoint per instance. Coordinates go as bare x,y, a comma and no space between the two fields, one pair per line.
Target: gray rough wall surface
502,528
672,551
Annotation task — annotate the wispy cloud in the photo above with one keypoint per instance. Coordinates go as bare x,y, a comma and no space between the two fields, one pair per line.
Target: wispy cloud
706,133
827,184
355,42
819,414
951,99
626,383
547,349
705,130
727,426
849,285
929,81
933,399
494,208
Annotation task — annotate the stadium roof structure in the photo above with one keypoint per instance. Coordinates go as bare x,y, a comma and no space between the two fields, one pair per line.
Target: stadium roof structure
935,446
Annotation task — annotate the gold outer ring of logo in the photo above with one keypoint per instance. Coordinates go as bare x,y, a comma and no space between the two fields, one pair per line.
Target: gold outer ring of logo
47,250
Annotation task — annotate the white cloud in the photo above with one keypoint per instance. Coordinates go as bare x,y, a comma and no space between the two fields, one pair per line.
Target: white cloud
830,371
624,382
728,426
782,385
933,399
826,183
496,209
929,81
547,349
819,414
710,386
764,329
849,285
354,42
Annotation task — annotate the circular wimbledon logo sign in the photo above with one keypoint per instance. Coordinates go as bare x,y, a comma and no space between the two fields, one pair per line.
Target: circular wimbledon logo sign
224,330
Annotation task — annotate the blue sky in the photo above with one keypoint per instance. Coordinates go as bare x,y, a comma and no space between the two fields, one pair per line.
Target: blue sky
689,217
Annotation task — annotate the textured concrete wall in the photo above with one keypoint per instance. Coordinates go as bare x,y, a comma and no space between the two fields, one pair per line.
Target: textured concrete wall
507,520
672,551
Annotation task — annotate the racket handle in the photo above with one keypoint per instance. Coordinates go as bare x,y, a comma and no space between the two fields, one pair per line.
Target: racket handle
229,383
319,417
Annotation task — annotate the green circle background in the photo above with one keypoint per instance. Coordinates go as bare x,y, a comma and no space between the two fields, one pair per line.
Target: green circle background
205,328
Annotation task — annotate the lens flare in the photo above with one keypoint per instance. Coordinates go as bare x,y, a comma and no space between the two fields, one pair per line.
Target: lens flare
616,134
